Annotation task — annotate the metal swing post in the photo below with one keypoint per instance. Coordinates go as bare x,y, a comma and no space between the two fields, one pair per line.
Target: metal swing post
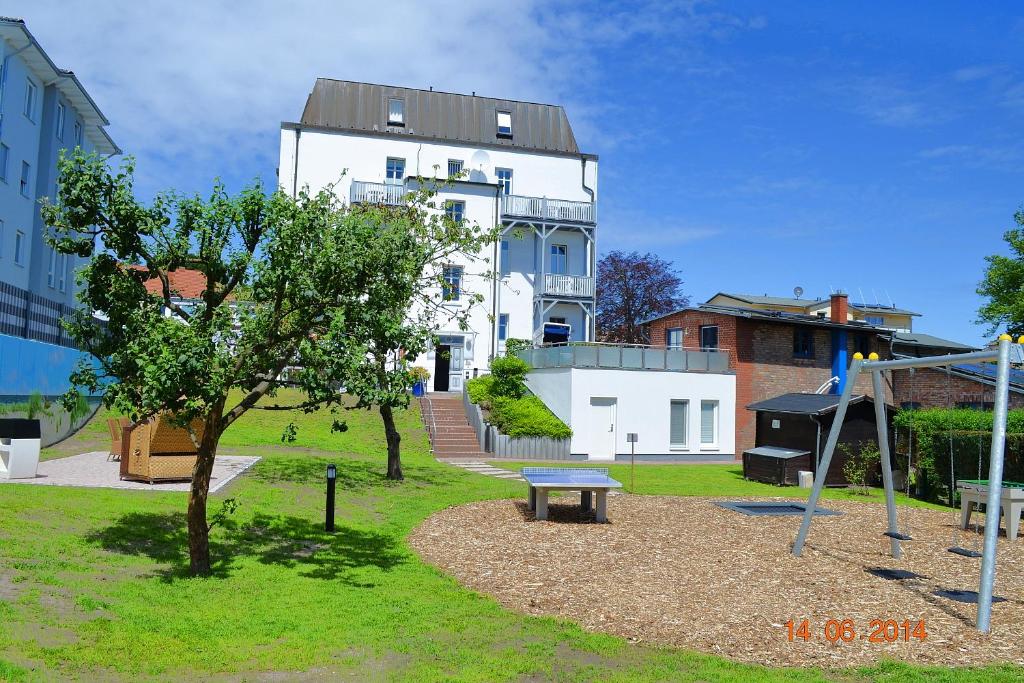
883,449
993,504
826,458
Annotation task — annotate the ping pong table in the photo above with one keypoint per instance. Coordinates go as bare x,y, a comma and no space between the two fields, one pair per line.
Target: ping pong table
1011,499
586,480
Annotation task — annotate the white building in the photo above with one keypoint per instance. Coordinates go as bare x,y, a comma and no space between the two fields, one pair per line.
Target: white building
680,403
523,171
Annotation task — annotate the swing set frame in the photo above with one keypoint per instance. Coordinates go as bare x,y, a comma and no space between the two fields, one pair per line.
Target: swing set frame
1001,354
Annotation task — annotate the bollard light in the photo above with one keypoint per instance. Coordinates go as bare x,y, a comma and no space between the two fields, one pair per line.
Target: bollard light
332,476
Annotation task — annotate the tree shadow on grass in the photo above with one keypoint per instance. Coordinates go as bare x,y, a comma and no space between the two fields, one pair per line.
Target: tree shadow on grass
353,475
282,540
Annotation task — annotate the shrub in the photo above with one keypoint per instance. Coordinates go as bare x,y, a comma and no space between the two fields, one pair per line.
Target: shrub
513,346
860,464
516,417
420,374
509,373
479,389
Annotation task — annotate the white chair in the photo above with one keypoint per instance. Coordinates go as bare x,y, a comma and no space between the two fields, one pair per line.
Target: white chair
19,448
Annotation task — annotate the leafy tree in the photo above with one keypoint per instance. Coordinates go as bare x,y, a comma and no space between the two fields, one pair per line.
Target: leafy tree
1003,286
632,288
289,283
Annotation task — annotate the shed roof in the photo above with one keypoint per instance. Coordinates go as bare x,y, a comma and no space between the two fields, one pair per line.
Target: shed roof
803,404
775,316
917,339
438,116
776,452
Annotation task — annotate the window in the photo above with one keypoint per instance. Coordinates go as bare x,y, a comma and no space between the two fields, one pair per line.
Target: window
709,423
1,239
502,326
708,337
78,133
803,342
19,247
504,124
559,258
394,173
506,264
455,210
674,337
26,170
452,287
454,167
875,320
5,156
30,100
678,417
862,344
504,179
51,270
396,111
62,273
60,120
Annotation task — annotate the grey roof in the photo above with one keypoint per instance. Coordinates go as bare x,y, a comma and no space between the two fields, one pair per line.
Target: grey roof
802,404
438,116
776,452
928,340
879,308
775,316
769,300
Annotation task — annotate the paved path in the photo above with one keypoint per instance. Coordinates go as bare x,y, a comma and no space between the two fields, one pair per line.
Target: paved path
483,468
95,471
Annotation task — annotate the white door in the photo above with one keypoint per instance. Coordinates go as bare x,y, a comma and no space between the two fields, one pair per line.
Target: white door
455,371
602,428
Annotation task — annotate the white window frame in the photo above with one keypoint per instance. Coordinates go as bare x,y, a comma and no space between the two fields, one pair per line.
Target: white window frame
877,320
713,444
62,275
455,206
685,444
503,116
1,238
396,115
19,248
700,331
51,270
5,161
564,256
61,116
394,171
451,289
505,183
78,133
25,183
455,167
668,337
502,327
30,100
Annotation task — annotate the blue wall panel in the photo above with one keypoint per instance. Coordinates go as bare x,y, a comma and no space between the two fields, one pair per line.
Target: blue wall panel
27,366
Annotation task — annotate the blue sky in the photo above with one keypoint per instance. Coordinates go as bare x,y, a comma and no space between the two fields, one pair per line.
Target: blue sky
759,146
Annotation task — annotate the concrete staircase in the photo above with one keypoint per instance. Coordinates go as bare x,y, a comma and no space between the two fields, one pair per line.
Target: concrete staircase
451,435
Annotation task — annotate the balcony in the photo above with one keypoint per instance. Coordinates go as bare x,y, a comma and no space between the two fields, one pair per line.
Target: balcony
625,357
576,286
549,210
377,193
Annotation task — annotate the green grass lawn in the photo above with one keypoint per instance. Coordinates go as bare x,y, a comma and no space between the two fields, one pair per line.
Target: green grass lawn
93,582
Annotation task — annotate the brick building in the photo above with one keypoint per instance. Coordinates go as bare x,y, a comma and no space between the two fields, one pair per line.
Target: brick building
773,352
964,386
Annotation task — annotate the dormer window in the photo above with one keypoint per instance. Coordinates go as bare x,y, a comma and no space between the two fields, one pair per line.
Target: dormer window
504,124
396,111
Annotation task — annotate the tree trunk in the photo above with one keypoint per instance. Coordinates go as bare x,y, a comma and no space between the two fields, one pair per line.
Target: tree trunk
198,527
394,442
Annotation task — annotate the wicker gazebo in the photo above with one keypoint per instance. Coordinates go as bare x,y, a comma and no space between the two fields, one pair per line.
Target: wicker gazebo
158,450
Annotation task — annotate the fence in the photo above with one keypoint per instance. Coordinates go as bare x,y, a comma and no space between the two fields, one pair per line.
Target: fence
30,316
624,356
503,446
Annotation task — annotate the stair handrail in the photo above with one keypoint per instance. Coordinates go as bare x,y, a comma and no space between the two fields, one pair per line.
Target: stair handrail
429,424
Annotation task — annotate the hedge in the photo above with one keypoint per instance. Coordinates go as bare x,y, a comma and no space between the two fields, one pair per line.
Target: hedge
968,433
515,417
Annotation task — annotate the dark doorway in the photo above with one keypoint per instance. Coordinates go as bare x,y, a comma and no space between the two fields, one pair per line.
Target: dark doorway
442,362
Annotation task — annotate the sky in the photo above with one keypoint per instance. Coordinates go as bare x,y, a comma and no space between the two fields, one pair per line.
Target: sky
873,148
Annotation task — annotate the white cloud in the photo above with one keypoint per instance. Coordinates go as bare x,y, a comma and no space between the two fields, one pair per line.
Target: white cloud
198,89
886,101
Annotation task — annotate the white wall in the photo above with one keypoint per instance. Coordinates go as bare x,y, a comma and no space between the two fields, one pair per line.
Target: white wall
642,406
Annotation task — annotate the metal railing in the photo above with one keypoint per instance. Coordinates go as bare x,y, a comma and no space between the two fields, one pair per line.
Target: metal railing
377,193
28,315
569,285
559,210
625,357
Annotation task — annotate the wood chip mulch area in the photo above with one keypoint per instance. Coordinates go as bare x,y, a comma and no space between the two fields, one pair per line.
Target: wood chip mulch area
687,573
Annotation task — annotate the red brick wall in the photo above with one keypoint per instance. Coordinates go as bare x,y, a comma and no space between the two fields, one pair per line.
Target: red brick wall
931,388
761,355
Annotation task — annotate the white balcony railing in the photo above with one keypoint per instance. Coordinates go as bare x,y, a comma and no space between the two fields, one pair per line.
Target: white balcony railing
626,357
377,193
560,210
569,285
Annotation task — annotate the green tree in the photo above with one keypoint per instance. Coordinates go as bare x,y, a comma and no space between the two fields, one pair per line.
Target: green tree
289,283
1003,286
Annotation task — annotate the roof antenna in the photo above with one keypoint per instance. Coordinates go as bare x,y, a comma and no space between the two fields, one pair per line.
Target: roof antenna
862,299
875,294
431,88
474,93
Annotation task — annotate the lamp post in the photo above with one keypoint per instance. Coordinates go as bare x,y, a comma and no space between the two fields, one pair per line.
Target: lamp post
631,437
332,476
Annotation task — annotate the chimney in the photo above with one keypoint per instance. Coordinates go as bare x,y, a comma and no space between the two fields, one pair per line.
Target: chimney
839,309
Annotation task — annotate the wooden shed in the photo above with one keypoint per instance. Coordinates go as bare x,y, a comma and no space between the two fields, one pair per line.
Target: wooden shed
800,423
